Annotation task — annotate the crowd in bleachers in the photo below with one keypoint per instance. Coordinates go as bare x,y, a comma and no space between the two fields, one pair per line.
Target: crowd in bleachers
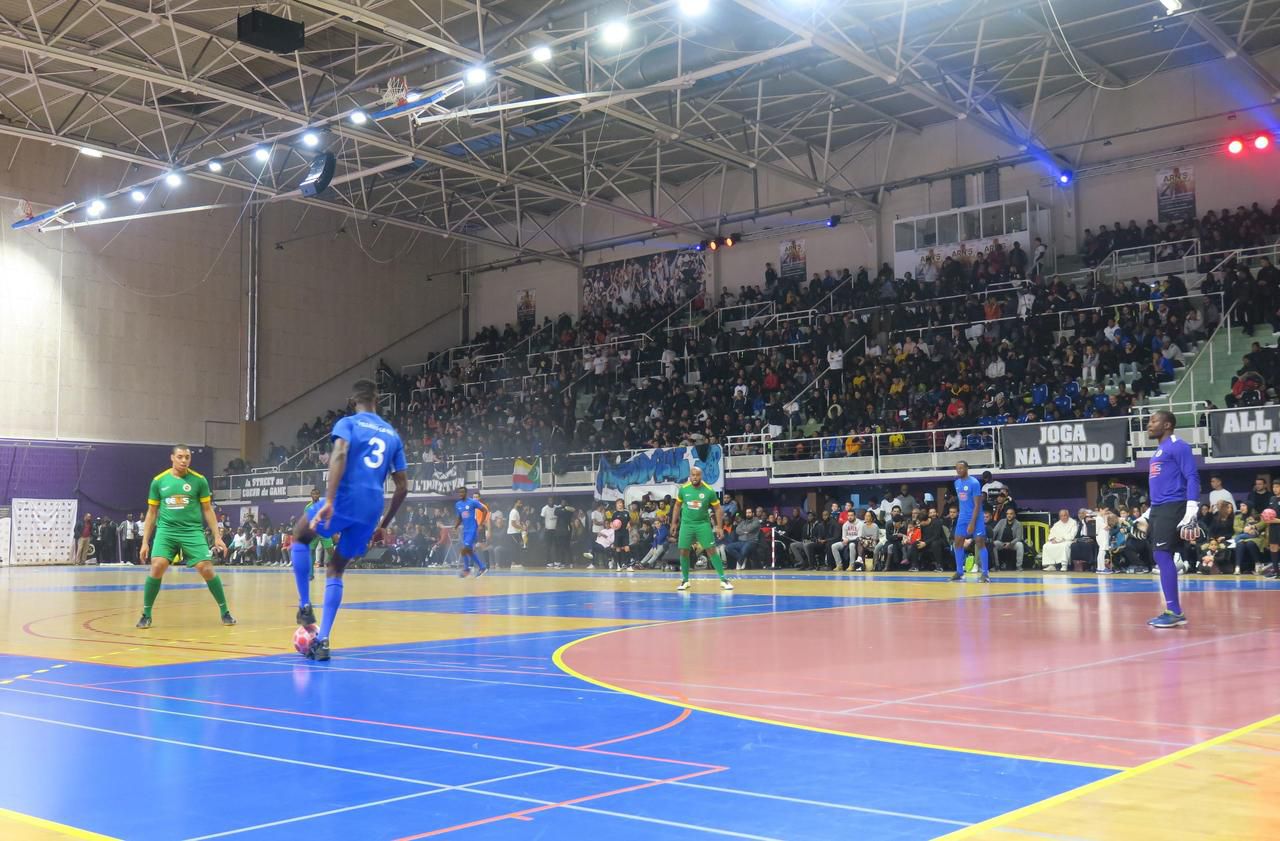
1216,231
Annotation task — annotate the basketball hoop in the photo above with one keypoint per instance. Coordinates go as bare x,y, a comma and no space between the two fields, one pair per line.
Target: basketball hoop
397,92
24,210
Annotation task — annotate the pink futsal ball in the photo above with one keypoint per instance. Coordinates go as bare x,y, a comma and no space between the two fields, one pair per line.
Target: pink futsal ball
303,636
1269,515
617,524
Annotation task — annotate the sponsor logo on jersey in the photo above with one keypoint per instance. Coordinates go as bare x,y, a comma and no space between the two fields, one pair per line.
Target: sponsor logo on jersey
177,501
1155,468
186,487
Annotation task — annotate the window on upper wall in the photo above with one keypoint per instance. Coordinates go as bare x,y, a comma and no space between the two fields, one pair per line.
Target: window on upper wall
959,193
948,228
904,236
991,184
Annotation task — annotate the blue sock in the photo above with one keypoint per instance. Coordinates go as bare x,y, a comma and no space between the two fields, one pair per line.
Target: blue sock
301,557
332,601
959,560
1168,579
479,562
986,560
466,560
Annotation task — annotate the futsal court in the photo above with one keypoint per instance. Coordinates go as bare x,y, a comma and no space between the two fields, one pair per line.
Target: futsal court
603,705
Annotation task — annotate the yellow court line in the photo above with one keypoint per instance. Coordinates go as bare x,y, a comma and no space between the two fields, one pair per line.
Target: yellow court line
558,659
1126,774
53,826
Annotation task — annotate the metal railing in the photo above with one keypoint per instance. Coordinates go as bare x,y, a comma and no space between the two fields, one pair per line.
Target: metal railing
748,313
1179,257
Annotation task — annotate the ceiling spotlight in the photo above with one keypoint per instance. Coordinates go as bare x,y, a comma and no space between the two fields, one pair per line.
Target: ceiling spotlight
542,53
476,75
615,32
215,165
96,207
173,179
832,221
1236,146
138,196
1261,142
1171,6
311,139
262,154
1064,177
90,152
729,241
694,8
700,246
359,117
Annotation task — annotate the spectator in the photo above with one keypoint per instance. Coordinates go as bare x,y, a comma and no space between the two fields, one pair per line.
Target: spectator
1218,494
1058,546
746,536
658,545
844,552
517,533
1007,537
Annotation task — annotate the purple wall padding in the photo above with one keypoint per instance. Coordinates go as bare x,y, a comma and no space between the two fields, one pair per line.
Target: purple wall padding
107,479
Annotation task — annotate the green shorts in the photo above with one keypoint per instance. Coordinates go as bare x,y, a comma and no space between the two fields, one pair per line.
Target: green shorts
323,542
702,533
180,547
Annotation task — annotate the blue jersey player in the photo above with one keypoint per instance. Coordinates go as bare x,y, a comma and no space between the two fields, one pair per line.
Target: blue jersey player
1171,519
469,530
365,451
969,523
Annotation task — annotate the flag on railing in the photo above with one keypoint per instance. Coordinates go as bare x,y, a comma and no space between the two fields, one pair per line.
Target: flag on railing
526,475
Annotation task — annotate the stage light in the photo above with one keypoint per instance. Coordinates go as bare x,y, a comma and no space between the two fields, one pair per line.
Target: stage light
542,53
694,8
359,117
215,165
138,196
96,207
615,33
90,152
477,76
1236,146
173,179
1171,6
311,139
700,246
713,244
1064,177
262,154
729,241
1261,142
832,221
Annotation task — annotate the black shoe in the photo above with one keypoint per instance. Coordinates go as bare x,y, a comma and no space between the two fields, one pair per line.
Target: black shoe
144,622
306,615
959,576
986,579
318,650
481,571
227,618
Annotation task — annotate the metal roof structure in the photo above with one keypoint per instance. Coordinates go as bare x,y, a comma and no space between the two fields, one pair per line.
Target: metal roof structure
777,86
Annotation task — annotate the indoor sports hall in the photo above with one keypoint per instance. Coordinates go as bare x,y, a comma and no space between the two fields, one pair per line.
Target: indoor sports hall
788,419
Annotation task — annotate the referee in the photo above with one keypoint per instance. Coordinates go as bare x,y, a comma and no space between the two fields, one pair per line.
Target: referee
1171,519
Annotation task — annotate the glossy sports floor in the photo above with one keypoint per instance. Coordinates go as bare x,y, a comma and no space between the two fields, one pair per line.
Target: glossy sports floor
599,705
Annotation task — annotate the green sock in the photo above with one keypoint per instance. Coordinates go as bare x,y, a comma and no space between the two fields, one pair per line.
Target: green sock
150,590
684,566
714,554
215,587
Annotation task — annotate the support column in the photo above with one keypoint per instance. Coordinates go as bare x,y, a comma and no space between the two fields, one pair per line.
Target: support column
254,275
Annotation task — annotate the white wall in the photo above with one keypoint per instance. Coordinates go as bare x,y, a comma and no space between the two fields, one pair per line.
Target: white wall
556,289
135,332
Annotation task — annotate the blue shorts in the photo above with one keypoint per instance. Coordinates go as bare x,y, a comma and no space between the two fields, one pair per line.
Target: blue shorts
356,527
469,538
962,526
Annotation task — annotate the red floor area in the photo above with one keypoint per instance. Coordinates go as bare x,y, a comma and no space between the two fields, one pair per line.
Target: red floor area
1061,675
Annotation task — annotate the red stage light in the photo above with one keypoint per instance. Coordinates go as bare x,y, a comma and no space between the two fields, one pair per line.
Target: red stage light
1236,146
1261,142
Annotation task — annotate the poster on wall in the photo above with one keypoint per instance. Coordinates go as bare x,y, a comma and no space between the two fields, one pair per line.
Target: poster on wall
1101,441
791,261
1245,432
1176,194
667,279
526,308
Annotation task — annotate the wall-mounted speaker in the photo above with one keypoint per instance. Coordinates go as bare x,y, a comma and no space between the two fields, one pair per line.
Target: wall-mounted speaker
268,32
319,176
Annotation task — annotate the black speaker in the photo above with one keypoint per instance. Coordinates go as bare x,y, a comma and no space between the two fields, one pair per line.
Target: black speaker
268,32
373,556
319,176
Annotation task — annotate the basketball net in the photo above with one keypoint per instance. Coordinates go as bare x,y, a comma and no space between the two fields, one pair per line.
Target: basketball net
397,91
23,210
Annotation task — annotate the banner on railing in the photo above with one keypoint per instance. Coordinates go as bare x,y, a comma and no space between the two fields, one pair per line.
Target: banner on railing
265,486
1101,441
659,472
669,278
436,478
1245,432
1176,194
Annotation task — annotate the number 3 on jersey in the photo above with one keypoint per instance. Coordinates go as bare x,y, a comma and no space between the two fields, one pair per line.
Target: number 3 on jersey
378,452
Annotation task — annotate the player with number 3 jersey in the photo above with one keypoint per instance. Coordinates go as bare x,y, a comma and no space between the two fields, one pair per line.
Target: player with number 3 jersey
366,449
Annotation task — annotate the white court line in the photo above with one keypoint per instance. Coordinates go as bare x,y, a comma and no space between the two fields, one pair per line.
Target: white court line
1061,669
712,702
543,765
331,668
383,802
